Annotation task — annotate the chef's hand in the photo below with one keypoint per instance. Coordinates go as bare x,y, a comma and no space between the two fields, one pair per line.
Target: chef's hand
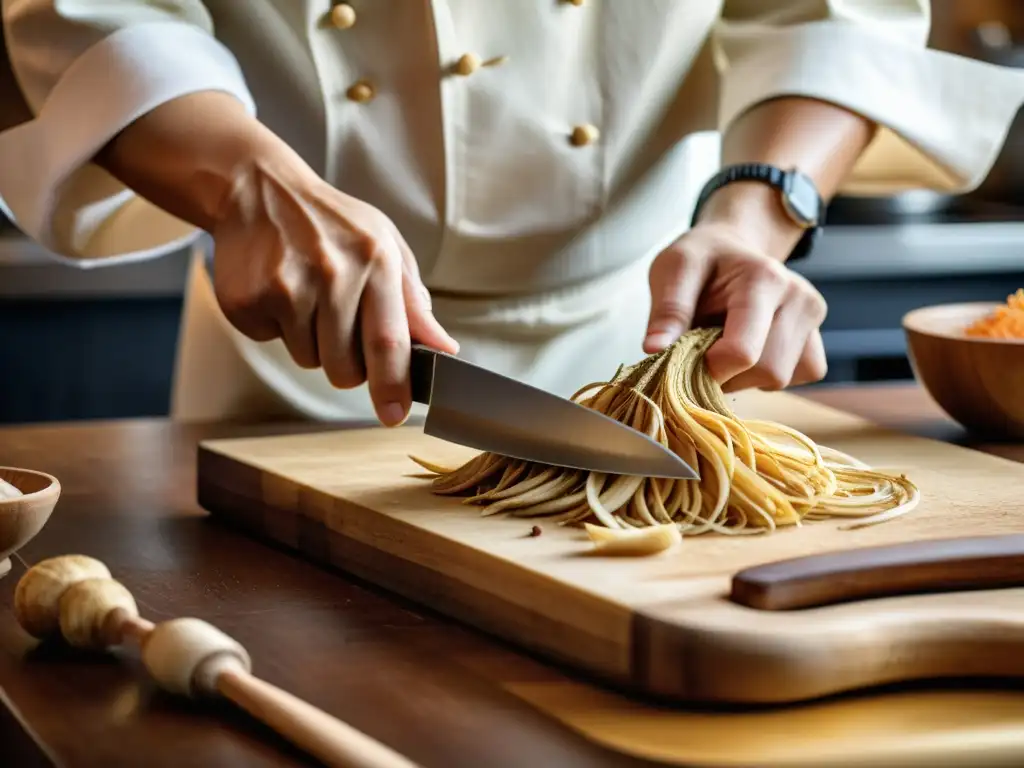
729,267
328,274
295,258
771,315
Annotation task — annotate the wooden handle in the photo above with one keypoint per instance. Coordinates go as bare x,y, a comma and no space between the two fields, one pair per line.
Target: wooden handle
328,739
942,565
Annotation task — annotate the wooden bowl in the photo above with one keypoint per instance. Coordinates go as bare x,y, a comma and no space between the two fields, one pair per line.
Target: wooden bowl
978,382
22,517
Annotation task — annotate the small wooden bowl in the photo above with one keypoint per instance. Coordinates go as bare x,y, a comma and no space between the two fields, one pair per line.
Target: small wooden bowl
978,382
22,517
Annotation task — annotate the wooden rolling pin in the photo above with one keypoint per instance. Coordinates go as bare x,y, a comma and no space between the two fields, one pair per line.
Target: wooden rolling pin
76,598
939,565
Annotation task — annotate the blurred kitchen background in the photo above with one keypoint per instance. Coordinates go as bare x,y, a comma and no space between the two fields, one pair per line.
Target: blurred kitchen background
100,343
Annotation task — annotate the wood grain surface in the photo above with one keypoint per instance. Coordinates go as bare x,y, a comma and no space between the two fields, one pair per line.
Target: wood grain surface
441,693
662,626
397,673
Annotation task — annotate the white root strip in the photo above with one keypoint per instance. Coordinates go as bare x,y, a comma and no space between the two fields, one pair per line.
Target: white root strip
633,542
756,476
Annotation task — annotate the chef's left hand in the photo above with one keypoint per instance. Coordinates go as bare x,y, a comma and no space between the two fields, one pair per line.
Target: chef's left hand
771,316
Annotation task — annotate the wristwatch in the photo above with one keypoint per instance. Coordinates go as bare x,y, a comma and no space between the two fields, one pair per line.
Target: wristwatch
799,196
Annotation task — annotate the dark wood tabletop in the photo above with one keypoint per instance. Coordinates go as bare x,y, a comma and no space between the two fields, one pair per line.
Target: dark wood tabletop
421,684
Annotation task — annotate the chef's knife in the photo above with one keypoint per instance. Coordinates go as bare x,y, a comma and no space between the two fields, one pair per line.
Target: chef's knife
472,406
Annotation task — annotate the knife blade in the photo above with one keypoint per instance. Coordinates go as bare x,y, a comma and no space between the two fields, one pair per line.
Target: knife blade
472,406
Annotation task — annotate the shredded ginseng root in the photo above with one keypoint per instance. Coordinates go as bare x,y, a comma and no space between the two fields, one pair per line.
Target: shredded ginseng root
1006,322
755,475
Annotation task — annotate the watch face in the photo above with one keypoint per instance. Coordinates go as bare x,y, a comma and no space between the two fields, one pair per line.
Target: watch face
801,198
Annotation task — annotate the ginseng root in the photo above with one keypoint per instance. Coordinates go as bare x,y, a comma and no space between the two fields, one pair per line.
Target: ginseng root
756,476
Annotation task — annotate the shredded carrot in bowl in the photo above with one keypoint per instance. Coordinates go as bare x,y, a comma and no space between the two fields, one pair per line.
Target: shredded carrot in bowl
1006,322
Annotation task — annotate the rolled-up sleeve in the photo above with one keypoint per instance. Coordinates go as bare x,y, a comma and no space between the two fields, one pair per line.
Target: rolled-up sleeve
943,119
87,70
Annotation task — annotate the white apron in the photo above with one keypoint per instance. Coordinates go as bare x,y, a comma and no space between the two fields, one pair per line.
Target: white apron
535,245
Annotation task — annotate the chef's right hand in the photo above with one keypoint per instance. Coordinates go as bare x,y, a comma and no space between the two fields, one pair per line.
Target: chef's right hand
295,258
331,276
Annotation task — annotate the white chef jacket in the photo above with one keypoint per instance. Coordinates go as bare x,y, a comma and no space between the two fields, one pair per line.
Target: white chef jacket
535,246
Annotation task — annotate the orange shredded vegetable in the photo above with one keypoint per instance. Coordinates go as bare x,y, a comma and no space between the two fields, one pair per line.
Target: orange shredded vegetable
1007,322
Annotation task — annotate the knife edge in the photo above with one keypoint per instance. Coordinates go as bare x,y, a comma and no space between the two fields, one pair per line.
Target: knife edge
643,456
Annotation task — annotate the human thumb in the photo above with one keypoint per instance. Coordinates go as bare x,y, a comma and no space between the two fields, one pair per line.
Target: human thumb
676,283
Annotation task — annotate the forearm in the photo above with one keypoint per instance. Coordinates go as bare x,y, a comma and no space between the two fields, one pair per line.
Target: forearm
189,154
817,138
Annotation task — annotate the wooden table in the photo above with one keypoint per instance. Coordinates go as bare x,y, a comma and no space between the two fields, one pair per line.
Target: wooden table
421,684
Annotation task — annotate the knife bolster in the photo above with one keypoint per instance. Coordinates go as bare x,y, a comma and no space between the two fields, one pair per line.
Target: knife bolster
421,373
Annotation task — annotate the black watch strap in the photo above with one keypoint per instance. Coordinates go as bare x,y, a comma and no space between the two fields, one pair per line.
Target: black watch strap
767,174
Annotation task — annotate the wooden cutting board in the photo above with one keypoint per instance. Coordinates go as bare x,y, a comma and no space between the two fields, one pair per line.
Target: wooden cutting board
662,625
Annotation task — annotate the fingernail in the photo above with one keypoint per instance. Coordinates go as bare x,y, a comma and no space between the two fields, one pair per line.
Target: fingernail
658,339
392,414
427,301
451,340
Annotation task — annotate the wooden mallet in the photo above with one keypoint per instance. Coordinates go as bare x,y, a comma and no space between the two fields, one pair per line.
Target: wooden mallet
76,598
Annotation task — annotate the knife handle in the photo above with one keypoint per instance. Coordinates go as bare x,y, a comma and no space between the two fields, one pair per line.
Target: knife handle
980,562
